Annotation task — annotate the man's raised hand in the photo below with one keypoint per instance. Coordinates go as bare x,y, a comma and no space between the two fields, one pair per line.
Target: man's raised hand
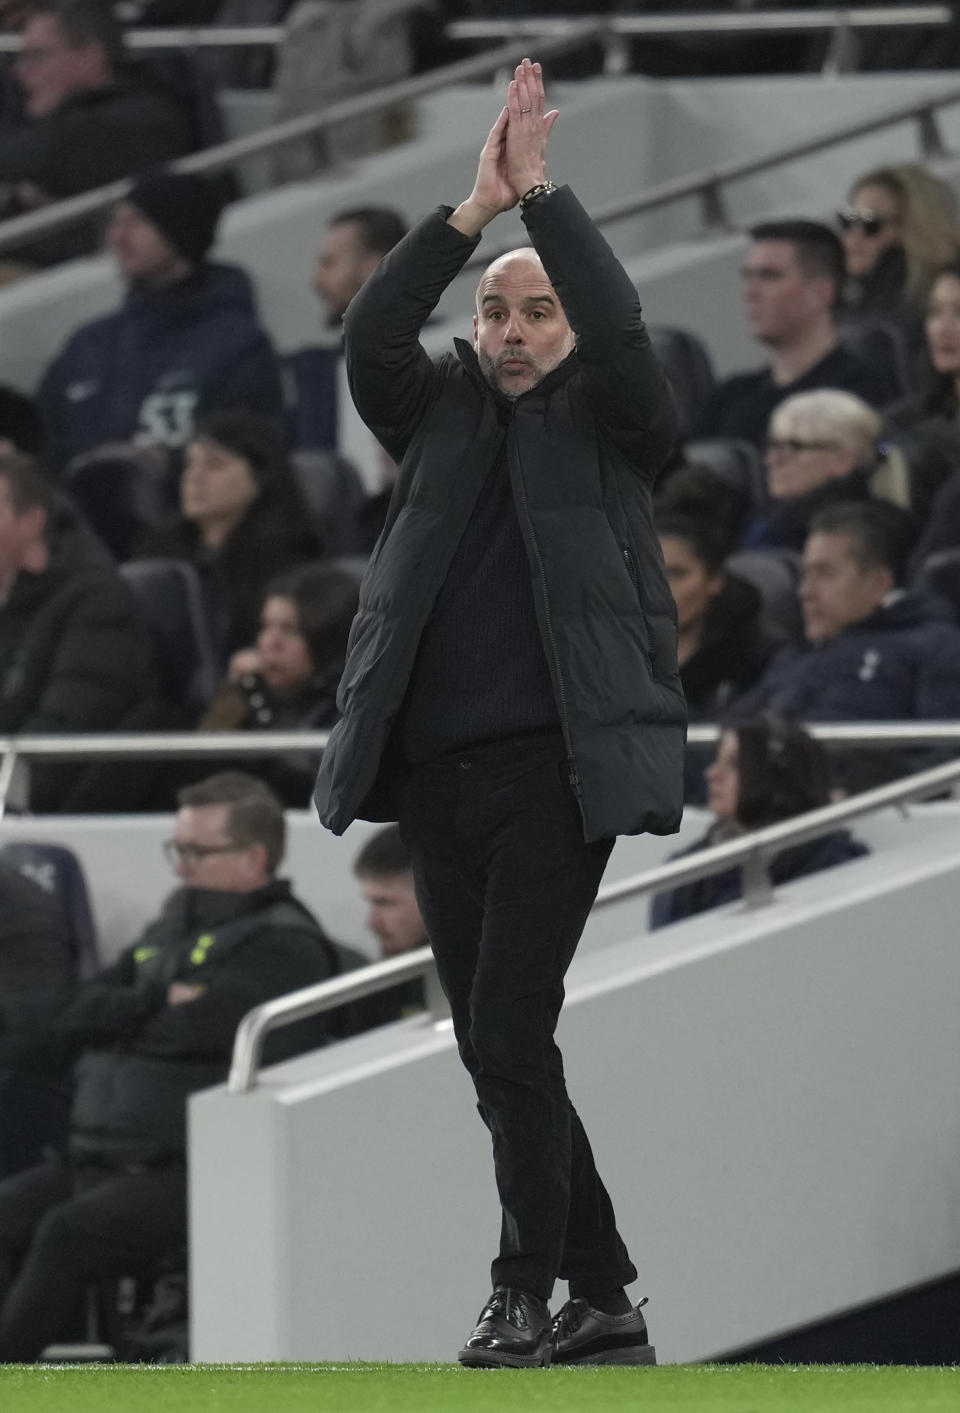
514,155
525,145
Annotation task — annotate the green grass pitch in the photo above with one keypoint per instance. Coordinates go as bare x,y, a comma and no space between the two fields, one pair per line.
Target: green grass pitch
446,1388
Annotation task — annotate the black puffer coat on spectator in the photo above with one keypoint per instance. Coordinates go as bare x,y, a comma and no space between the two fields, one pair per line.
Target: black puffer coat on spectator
74,654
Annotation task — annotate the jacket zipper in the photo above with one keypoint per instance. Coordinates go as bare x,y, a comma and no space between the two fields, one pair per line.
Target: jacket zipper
573,778
631,564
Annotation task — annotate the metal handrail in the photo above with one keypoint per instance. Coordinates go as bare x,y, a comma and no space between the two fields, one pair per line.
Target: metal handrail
327,996
753,853
185,37
161,745
711,22
707,182
706,21
226,154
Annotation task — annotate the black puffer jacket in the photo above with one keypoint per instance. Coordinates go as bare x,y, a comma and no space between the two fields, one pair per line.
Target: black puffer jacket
75,657
583,449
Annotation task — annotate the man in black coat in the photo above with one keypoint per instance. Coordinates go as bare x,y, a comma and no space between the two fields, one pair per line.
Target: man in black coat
74,655
150,1030
791,277
86,123
511,692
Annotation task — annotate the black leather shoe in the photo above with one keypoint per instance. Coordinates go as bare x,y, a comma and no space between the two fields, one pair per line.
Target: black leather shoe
513,1332
582,1335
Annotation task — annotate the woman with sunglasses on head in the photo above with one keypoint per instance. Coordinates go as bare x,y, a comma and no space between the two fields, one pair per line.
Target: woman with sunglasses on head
766,769
898,227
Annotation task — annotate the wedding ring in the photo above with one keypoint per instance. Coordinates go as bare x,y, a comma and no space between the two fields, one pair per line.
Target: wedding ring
526,110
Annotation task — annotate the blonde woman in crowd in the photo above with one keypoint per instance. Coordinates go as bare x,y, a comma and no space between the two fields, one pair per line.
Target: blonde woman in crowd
823,447
898,226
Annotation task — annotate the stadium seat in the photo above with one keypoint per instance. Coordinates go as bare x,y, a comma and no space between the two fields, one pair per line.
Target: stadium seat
335,493
58,871
171,599
940,574
776,574
121,489
736,462
689,370
881,343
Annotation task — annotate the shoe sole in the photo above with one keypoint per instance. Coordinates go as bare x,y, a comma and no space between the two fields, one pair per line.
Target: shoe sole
638,1354
495,1359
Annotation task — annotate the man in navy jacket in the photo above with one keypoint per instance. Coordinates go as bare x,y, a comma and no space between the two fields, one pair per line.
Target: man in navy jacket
511,693
876,652
185,341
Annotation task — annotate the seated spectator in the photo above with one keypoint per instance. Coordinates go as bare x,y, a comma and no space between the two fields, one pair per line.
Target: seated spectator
792,277
289,680
329,53
184,343
929,424
242,522
321,415
86,122
74,654
355,242
385,874
898,227
37,976
697,492
875,651
823,448
149,1031
765,770
724,641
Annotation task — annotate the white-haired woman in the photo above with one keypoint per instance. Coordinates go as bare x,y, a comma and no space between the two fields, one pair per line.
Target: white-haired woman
823,447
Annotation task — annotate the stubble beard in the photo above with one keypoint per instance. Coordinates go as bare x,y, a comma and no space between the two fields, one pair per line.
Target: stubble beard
490,368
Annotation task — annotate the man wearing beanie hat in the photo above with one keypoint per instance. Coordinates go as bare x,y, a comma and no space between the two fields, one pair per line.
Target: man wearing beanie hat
184,207
185,341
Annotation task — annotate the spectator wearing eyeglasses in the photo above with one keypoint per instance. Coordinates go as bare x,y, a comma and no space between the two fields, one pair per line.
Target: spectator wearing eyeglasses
791,278
898,227
823,447
147,1032
86,122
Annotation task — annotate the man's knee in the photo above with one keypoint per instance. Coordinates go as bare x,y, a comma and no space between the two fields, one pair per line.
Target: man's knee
509,1038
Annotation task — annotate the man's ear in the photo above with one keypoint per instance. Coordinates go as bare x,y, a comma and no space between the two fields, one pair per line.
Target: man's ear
883,580
476,325
824,292
34,519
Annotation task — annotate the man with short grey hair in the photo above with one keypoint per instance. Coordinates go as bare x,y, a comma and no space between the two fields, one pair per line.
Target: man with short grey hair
86,122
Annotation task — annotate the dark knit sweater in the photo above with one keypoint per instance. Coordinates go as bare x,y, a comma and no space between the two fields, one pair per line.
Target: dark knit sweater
480,674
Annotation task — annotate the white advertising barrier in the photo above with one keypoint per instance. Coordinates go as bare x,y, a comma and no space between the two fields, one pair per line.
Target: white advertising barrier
771,1097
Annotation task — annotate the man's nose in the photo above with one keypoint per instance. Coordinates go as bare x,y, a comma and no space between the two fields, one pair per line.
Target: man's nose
514,332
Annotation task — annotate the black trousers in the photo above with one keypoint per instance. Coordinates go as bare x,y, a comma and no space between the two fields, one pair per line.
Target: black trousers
62,1228
505,883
